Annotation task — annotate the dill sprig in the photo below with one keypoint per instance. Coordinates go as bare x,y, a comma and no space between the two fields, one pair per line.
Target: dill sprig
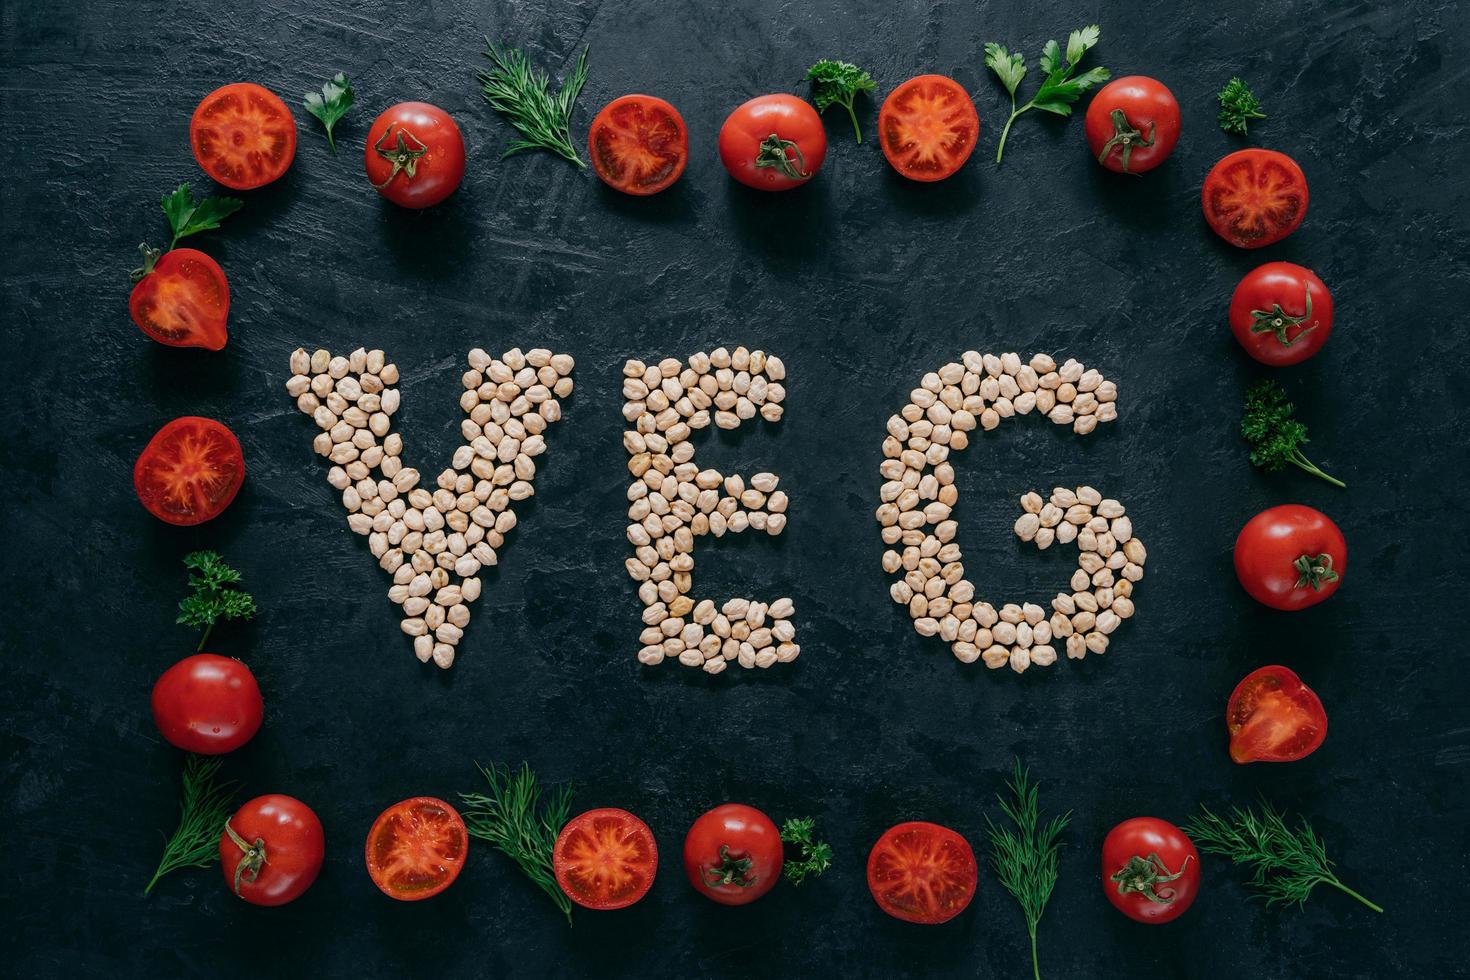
1286,863
516,89
1026,861
204,806
512,816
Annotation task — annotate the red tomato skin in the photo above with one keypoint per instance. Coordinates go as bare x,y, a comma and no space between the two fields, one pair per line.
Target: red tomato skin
283,139
1287,285
437,173
1149,107
669,135
1142,837
890,111
152,462
564,863
165,290
941,837
1254,169
397,812
789,118
1287,695
748,833
1272,540
207,704
294,846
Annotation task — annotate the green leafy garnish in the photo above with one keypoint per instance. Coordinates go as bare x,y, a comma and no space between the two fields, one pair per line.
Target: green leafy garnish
1287,863
512,816
331,104
816,856
1059,90
1238,105
187,216
205,805
839,83
217,594
1025,859
1275,436
514,88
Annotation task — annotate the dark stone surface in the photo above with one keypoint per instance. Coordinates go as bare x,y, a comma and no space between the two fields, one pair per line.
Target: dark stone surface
861,282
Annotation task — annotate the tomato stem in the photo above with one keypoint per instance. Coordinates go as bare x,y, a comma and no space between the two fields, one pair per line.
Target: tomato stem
772,153
1314,570
730,870
1126,136
251,861
1277,321
400,155
150,259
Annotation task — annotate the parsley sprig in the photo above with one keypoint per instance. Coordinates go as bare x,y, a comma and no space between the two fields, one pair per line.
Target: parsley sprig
839,83
1238,105
816,856
186,217
1061,87
517,90
512,815
331,104
1025,859
1274,434
204,806
1287,862
216,594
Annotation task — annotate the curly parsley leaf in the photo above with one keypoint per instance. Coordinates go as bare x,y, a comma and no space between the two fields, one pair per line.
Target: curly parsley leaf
216,594
187,216
839,83
1275,435
1062,86
1238,105
816,856
331,104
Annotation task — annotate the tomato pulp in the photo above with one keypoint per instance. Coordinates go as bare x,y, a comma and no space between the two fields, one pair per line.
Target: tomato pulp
928,127
605,859
243,136
638,144
416,848
922,872
182,300
1273,717
1255,197
190,471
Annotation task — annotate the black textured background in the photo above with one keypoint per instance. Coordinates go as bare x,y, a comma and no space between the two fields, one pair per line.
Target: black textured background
861,282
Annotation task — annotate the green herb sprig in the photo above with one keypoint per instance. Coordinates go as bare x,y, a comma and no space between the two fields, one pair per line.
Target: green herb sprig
839,83
517,90
1286,863
1274,433
186,217
1238,105
330,104
1025,859
1060,89
816,856
204,806
512,815
216,594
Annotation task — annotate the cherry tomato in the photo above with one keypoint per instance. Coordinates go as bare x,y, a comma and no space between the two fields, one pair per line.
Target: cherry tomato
605,859
414,154
928,127
1255,197
182,300
1290,557
773,143
190,471
922,872
1132,124
416,848
1281,313
207,704
733,854
1273,717
638,144
1150,870
243,135
271,850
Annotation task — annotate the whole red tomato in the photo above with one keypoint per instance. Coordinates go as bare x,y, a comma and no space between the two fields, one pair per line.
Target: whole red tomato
271,849
1290,557
733,854
1273,717
1150,870
182,299
207,704
415,154
773,143
1281,313
1132,124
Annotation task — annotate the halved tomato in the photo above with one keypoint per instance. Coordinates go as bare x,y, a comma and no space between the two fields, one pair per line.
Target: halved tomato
243,135
928,127
1273,717
605,859
922,872
416,848
190,471
182,300
1255,197
638,144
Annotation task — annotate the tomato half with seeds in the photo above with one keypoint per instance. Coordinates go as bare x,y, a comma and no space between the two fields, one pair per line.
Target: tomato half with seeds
773,142
928,127
1132,124
922,872
190,471
207,704
271,850
243,135
1281,313
1290,557
1273,717
1150,870
414,155
1255,197
182,299
638,144
733,854
605,859
416,848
